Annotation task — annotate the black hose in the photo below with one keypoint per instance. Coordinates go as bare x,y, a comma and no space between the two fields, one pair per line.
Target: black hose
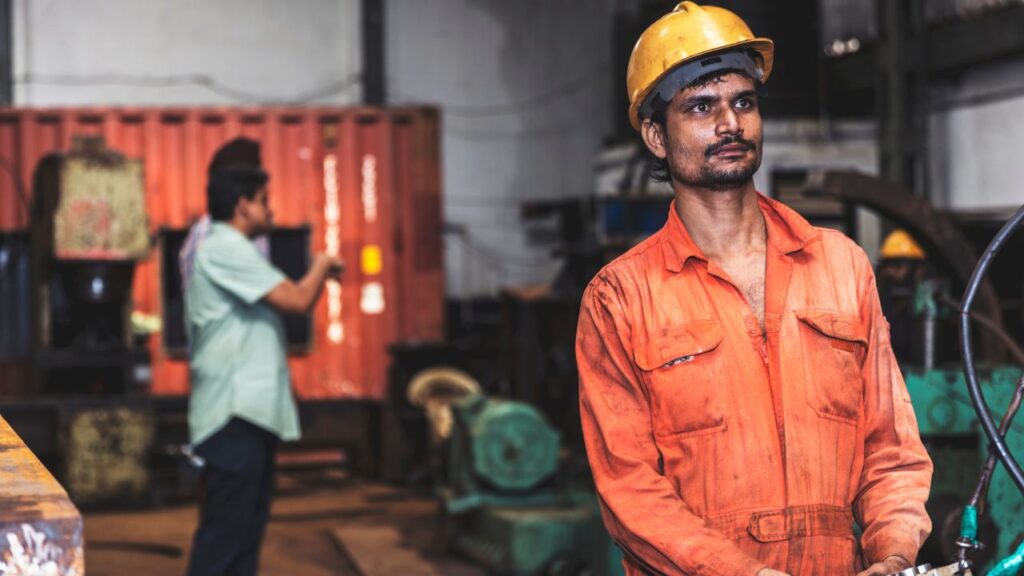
998,444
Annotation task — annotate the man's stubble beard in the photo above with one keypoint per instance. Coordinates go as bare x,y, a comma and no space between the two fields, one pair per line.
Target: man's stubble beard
718,180
728,179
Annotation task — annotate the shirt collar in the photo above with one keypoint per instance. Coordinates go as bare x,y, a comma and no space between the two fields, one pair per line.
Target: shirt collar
225,228
788,232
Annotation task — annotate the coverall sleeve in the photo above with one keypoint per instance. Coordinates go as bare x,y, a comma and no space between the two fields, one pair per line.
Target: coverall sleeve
641,510
897,471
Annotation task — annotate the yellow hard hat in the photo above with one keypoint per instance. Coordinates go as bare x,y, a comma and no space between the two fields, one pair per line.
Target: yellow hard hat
683,35
899,244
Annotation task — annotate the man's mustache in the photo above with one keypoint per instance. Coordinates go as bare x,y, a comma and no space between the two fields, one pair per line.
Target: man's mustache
727,141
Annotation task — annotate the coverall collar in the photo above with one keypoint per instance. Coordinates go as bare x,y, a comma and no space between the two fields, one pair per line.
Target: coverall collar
788,232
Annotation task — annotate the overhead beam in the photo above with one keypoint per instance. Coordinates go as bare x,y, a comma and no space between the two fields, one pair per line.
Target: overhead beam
987,37
374,85
951,47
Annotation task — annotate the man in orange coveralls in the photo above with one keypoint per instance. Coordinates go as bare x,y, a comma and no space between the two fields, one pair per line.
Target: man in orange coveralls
740,401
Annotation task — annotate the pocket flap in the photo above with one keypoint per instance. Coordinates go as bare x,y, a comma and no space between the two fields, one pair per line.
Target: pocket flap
677,343
834,324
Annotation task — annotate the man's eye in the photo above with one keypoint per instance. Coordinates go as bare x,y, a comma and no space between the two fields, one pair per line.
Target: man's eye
702,107
744,103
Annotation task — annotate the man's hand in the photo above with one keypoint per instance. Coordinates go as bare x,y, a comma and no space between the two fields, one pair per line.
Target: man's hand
335,266
770,572
299,297
890,565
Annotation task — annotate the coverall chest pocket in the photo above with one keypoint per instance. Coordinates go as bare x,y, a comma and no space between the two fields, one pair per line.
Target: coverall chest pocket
834,347
682,366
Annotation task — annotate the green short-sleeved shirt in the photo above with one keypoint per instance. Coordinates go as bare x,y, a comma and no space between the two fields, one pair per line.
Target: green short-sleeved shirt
238,365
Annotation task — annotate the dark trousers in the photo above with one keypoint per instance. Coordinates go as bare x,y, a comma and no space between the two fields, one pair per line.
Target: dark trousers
238,484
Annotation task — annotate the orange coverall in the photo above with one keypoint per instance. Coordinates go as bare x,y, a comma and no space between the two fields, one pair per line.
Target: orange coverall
717,449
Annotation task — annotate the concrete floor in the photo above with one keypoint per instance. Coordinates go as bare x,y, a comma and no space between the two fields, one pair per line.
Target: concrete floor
298,541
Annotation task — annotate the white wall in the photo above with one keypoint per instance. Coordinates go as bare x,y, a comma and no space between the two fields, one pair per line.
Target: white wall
164,52
975,135
525,92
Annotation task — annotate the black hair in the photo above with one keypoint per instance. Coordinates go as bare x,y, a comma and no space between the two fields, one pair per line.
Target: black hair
238,152
227,185
657,168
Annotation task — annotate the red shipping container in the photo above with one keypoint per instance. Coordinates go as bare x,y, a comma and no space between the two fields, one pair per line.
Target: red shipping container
365,180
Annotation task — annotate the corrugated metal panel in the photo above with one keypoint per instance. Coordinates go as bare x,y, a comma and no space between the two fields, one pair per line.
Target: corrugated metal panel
421,314
373,173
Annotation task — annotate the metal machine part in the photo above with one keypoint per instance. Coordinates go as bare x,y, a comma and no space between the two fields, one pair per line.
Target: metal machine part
998,449
949,428
434,390
921,569
945,507
956,569
500,446
970,371
500,505
89,228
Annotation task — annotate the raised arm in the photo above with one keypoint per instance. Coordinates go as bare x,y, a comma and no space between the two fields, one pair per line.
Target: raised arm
299,297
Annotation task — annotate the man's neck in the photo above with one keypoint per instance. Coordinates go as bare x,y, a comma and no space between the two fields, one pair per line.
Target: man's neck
240,225
722,223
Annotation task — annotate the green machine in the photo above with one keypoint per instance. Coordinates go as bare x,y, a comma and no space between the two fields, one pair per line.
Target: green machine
958,447
500,453
503,503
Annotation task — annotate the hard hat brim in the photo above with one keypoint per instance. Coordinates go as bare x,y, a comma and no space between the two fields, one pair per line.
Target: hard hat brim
762,46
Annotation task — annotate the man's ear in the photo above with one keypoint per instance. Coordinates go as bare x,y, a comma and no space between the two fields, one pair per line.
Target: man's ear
241,208
654,138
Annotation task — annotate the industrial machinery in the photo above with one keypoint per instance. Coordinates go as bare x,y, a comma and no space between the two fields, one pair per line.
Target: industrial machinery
1003,505
500,452
502,504
950,430
89,229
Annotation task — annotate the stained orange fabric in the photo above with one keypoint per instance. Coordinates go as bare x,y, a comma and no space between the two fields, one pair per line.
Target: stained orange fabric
716,450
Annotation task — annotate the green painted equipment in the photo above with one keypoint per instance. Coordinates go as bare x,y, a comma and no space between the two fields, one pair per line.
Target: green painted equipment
951,432
508,445
502,502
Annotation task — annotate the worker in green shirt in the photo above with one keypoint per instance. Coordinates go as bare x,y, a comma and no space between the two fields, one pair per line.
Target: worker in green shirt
241,402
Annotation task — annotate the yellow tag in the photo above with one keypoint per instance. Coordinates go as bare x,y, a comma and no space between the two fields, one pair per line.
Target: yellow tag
372,261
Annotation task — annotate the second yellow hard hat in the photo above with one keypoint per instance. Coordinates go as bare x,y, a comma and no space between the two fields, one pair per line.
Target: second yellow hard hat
900,244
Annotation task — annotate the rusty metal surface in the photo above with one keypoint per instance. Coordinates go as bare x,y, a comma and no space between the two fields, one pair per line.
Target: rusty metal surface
40,529
100,214
358,177
106,455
